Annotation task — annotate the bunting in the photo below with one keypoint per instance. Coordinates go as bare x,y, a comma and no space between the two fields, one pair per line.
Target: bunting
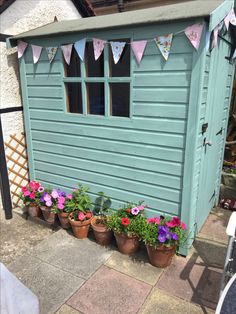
67,50
194,34
117,49
80,48
232,17
227,20
36,50
164,45
208,40
234,55
138,48
21,46
51,51
98,46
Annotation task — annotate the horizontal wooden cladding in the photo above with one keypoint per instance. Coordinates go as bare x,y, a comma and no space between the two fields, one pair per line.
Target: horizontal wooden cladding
57,179
46,104
45,91
69,168
44,80
138,124
127,135
160,110
176,62
141,150
104,157
43,67
162,79
170,94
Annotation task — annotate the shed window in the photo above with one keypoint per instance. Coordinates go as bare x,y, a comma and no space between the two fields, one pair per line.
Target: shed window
99,87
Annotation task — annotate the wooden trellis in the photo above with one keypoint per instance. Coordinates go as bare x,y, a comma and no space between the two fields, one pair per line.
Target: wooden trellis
16,157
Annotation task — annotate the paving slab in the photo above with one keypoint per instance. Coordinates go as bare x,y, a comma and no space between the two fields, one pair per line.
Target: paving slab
51,285
136,266
159,302
192,281
66,309
79,257
109,291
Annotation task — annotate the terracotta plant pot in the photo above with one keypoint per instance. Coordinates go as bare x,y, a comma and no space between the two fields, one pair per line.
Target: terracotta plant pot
80,228
34,210
63,217
101,233
47,214
160,256
127,245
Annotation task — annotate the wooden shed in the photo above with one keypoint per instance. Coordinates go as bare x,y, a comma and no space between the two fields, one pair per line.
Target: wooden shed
153,131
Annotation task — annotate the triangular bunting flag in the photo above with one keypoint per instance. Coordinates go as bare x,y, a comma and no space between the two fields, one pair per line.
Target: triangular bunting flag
194,34
67,49
36,50
208,40
21,46
117,49
51,51
232,17
215,37
80,48
164,44
234,55
98,46
226,20
138,48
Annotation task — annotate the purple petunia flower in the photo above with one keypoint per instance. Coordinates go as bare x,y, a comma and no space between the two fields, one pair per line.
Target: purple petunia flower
175,237
135,211
162,237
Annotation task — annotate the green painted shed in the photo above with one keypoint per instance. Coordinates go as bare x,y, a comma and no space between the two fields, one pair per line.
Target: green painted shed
153,131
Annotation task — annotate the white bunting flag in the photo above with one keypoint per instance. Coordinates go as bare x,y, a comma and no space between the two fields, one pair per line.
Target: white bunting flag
194,34
208,40
227,20
67,50
98,46
138,48
51,51
21,46
36,50
234,55
117,49
80,48
164,44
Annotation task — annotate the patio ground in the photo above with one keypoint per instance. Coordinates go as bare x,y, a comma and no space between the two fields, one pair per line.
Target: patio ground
78,276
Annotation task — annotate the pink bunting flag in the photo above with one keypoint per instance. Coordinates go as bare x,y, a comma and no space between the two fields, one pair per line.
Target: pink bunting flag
36,50
138,48
215,34
164,45
67,50
21,46
194,34
98,46
226,20
232,18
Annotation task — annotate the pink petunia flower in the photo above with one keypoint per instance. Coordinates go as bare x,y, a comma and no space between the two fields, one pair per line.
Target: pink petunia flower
40,189
154,220
61,199
175,222
26,193
183,225
54,194
135,211
47,197
49,203
34,185
141,207
60,206
81,216
70,196
32,196
24,189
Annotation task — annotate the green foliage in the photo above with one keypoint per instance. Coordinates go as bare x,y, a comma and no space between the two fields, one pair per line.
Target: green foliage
80,201
102,204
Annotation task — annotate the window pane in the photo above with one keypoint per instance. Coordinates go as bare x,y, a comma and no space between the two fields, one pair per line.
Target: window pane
122,68
74,68
93,68
74,97
119,93
95,96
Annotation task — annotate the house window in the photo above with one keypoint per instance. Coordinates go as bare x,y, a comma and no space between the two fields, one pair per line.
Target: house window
99,87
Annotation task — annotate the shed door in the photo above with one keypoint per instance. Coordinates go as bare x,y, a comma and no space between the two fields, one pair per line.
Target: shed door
213,138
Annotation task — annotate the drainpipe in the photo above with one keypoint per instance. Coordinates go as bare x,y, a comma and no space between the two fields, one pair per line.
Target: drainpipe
121,6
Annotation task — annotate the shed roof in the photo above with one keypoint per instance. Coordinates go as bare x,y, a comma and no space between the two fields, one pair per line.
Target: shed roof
185,10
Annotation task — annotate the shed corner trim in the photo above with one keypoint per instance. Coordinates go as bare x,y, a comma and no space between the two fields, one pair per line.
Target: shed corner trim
219,13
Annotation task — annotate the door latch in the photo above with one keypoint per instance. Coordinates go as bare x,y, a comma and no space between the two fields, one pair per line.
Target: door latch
206,142
220,132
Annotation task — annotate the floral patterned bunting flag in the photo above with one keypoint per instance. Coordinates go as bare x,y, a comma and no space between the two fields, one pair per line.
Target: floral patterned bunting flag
98,46
21,46
67,49
194,33
138,48
164,44
36,50
51,51
117,49
232,17
80,48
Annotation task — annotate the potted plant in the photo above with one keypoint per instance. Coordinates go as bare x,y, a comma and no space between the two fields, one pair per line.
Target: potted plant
127,224
162,237
81,215
31,194
98,223
48,203
62,207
